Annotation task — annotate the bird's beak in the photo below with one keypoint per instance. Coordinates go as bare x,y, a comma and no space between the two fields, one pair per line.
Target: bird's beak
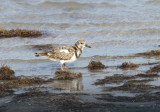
87,45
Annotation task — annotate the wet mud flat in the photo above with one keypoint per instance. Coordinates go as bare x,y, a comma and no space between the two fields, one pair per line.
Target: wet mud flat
144,97
49,102
79,102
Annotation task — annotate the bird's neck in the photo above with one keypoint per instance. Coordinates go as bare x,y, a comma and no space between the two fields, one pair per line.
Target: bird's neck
78,51
78,47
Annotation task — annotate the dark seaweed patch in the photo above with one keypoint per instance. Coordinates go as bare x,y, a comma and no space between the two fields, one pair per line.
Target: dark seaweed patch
116,78
6,73
94,65
154,69
5,86
131,87
147,75
128,65
150,53
66,75
119,78
139,81
20,33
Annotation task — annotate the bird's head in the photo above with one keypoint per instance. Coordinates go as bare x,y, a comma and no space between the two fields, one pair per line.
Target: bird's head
81,44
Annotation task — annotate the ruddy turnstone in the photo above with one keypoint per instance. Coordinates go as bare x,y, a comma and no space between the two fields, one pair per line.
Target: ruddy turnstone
65,54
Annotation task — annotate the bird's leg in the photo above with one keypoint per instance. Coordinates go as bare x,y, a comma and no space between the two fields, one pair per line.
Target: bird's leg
65,67
62,67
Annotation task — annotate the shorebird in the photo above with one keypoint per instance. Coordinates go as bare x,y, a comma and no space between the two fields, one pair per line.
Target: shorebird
65,54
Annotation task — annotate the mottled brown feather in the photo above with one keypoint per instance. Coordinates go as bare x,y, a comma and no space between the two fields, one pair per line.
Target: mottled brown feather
69,51
56,54
61,56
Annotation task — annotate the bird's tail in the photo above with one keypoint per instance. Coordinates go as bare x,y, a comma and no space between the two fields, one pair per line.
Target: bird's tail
41,54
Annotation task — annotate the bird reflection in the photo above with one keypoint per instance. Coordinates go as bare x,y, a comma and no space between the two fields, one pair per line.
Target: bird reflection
72,85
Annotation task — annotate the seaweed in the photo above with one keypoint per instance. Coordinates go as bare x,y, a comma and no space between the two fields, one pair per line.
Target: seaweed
5,86
19,33
94,65
119,78
147,75
6,73
155,69
139,81
131,87
150,53
66,75
116,78
128,65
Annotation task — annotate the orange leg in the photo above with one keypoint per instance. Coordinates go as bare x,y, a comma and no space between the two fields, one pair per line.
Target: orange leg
61,67
65,67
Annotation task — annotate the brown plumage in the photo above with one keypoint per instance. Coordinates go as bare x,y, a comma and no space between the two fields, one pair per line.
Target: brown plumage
65,54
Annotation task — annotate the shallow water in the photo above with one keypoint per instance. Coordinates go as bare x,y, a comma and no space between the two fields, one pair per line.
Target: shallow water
113,28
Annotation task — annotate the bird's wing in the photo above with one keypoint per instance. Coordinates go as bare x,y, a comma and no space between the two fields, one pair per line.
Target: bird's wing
62,53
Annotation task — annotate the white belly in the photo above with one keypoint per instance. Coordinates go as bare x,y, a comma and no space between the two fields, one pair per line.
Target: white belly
69,61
